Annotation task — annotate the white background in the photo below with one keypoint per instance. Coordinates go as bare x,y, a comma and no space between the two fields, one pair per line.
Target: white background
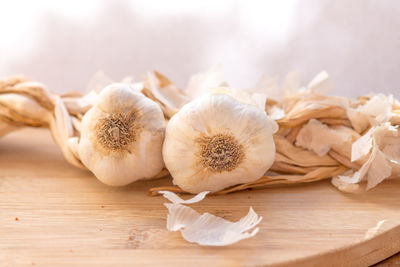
63,43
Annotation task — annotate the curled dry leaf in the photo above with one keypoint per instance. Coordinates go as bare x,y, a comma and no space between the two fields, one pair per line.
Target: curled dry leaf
206,229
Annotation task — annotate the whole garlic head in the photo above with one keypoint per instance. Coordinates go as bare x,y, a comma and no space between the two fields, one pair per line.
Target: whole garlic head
216,141
122,136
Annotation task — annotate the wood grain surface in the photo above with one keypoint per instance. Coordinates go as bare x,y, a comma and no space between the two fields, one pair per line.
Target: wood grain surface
52,214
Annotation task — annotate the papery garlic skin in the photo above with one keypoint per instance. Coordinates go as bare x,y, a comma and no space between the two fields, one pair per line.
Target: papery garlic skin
122,136
215,142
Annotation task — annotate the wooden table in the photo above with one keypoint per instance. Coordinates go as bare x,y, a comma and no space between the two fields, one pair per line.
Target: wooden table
52,214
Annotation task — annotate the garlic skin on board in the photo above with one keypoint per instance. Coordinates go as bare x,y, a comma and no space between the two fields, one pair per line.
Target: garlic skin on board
216,141
122,136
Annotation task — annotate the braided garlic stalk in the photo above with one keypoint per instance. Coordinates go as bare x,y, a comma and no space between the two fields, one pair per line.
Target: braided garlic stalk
322,136
118,133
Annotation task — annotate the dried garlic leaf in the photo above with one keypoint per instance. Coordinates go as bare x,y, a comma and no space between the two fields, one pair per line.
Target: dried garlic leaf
158,88
358,120
343,160
300,156
168,93
79,105
200,83
35,90
283,167
267,180
281,158
390,146
269,86
98,82
206,229
23,109
320,138
379,170
255,99
379,165
377,110
303,112
62,130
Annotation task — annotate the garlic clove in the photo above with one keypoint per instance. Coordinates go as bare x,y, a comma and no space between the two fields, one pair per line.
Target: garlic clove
122,136
215,142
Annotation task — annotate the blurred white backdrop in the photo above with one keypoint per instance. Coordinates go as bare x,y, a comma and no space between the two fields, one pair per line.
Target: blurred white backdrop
63,43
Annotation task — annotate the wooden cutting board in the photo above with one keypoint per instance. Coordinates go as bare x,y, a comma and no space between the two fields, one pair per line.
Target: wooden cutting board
52,214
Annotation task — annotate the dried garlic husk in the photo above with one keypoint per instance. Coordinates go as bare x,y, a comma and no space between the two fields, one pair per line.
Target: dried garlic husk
200,83
170,98
216,141
320,138
122,136
206,229
379,149
377,110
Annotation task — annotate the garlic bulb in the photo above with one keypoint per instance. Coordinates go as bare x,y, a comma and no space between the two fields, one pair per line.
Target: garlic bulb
122,136
216,141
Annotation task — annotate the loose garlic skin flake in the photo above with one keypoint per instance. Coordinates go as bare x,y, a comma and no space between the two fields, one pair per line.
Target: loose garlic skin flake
215,142
122,136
